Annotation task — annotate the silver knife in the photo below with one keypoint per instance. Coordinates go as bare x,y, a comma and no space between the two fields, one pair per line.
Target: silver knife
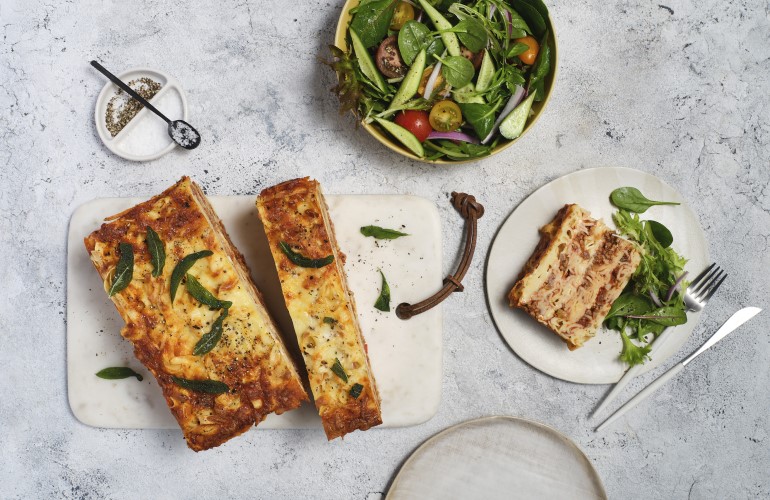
730,325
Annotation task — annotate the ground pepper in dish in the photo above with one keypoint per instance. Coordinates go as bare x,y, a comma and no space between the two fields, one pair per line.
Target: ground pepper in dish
121,107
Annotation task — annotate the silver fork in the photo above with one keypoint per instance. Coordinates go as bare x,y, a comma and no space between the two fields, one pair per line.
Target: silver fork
698,293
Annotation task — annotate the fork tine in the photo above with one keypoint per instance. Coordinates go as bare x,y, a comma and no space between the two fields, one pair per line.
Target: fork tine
703,284
706,285
714,289
703,273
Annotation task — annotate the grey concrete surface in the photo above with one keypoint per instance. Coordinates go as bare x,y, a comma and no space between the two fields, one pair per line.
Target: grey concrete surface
678,90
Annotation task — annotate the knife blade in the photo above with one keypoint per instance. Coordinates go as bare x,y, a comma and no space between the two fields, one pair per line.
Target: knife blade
735,321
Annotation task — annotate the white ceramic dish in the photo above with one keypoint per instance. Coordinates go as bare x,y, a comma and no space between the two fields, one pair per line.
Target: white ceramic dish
597,361
401,352
497,458
145,137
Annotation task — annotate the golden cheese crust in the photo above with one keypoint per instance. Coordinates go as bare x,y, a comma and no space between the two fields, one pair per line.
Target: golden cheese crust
250,356
321,306
578,269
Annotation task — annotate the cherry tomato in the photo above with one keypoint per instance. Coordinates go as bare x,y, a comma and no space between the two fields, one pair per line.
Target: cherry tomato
404,12
416,122
438,84
445,116
529,56
389,60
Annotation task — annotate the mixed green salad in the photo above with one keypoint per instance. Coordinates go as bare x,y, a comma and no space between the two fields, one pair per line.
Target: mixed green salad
654,298
447,79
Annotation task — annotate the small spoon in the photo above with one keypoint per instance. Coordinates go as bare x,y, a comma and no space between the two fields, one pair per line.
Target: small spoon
180,131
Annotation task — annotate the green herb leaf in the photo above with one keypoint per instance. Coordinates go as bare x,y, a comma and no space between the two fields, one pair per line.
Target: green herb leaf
632,353
203,296
329,320
412,38
631,199
531,15
302,261
182,267
355,391
480,116
381,233
118,372
124,271
383,301
207,386
471,34
339,371
518,24
660,233
157,252
457,70
517,49
540,69
210,340
371,21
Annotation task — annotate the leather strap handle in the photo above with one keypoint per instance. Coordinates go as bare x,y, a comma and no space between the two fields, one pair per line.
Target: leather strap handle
470,210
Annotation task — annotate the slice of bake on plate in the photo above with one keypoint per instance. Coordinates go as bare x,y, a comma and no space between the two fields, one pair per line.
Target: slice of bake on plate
322,309
578,269
195,318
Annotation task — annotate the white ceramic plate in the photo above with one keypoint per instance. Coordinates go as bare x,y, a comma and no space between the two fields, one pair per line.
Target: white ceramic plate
597,361
497,458
145,137
400,351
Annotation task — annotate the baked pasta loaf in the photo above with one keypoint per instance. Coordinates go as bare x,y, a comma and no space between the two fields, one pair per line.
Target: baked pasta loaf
579,268
310,267
195,318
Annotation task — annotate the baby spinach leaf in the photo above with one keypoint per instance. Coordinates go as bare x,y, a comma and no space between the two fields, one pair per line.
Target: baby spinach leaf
628,303
157,252
412,38
210,340
339,370
631,199
302,261
531,15
457,70
540,70
383,301
539,6
516,49
660,233
435,47
480,116
372,19
355,391
124,271
519,25
182,267
381,233
118,372
203,296
666,316
207,386
471,34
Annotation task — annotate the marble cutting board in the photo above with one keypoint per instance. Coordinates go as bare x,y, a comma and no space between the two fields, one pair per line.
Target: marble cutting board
405,355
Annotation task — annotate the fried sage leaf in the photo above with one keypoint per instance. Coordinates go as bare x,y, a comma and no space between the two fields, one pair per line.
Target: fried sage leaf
182,267
118,372
202,295
355,391
383,301
339,370
157,252
124,271
211,339
207,386
302,261
381,233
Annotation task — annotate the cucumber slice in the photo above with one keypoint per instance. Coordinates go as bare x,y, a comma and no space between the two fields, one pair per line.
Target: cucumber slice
513,124
462,95
403,135
411,81
486,73
366,63
441,23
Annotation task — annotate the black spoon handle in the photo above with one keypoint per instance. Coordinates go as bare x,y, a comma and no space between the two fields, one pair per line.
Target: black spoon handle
129,90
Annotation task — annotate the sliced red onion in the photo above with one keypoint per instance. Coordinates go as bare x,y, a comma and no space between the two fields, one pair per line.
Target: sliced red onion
512,102
419,17
432,81
676,286
453,136
655,299
492,9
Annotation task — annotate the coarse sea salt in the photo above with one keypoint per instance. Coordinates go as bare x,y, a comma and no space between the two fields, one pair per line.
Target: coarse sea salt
147,133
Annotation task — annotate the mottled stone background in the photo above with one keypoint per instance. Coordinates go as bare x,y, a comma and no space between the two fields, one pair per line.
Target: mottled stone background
678,90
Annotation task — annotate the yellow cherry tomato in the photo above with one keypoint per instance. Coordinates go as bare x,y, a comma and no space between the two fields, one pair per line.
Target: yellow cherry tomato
404,12
529,56
445,116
